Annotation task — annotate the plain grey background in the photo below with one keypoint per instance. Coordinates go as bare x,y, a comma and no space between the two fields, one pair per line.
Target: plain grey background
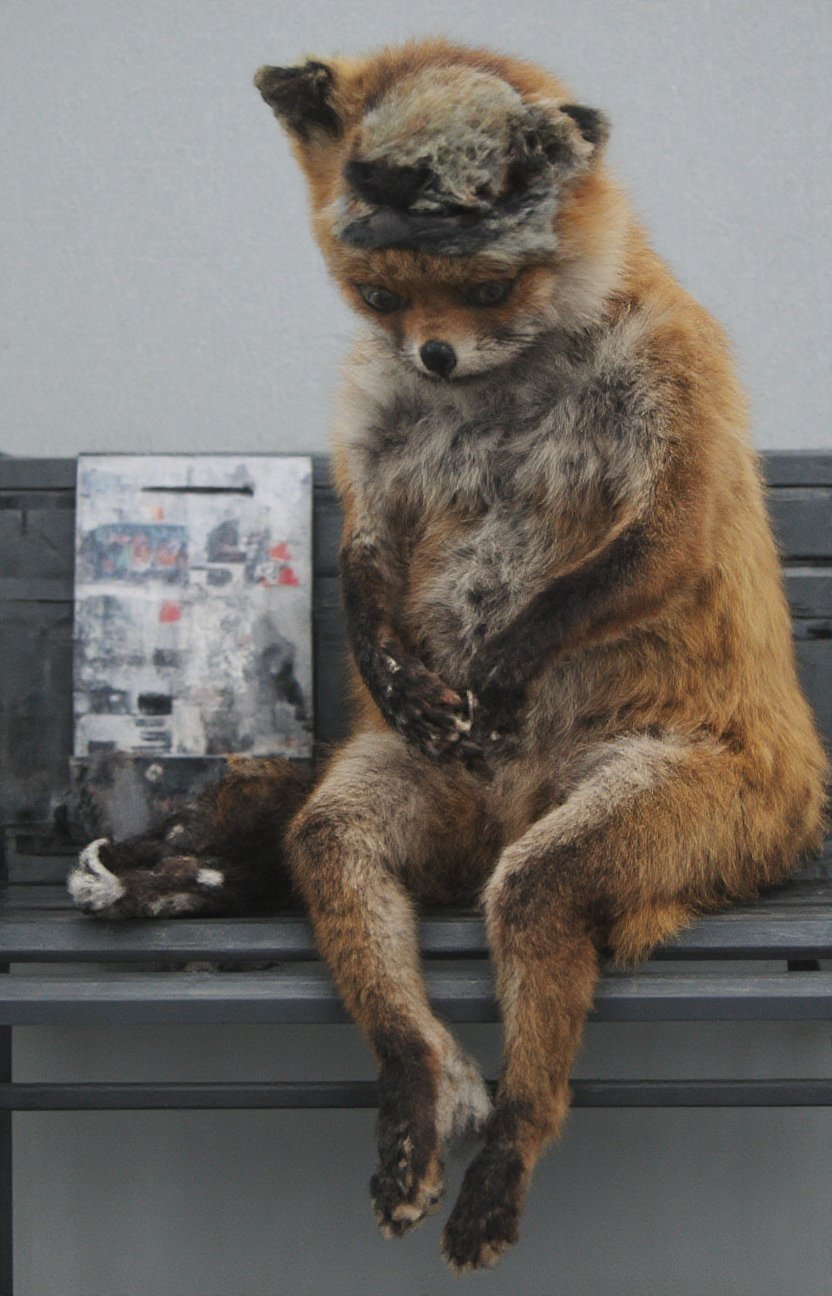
161,291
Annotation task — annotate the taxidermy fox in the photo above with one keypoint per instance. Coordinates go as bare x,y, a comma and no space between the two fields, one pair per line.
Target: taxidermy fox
575,694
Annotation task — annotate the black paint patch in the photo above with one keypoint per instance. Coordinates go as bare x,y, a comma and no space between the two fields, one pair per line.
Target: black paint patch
155,704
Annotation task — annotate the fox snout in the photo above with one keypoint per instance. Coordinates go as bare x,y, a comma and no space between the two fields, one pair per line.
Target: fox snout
438,357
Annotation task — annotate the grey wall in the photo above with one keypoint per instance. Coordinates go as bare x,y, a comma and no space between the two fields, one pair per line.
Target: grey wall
161,292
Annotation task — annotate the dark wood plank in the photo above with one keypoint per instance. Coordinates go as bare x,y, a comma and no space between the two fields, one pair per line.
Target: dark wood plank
802,519
814,664
31,589
797,467
327,533
67,936
810,896
37,544
809,591
330,657
781,468
459,993
37,474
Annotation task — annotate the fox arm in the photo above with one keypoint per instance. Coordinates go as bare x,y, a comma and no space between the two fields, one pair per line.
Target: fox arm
643,560
412,699
368,597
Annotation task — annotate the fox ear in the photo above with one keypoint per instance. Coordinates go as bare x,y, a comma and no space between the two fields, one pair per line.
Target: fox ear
302,98
556,139
591,122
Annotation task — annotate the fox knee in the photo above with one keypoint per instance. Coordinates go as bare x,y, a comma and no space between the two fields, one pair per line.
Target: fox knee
525,890
327,842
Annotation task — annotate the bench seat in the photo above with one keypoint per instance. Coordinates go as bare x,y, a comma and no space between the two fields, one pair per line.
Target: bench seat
791,925
38,924
755,962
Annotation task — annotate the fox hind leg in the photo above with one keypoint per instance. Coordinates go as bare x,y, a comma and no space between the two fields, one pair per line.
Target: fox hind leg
659,827
382,816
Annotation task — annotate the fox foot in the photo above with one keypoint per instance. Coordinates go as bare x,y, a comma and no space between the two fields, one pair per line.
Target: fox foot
420,1116
485,1221
408,1183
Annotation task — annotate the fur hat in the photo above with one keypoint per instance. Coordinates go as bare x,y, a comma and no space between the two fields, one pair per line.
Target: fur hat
452,159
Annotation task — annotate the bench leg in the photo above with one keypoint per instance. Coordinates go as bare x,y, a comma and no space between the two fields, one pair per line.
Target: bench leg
6,1235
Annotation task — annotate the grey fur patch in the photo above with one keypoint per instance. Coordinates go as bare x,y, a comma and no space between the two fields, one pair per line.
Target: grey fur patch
551,430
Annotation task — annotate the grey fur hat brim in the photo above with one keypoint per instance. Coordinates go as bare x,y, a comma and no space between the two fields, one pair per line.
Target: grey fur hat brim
516,224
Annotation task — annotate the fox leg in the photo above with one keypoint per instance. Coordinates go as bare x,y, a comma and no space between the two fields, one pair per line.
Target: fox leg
222,853
657,828
383,821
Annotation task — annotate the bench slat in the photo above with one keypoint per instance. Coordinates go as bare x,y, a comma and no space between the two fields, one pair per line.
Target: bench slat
293,1094
64,936
302,995
800,892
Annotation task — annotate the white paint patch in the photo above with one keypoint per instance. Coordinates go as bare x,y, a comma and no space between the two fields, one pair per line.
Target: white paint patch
92,886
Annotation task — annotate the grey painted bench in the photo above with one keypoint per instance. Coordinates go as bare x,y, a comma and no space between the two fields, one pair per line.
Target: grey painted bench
761,961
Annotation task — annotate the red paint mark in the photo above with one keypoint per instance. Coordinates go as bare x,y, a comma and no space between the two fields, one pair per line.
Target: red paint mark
287,577
170,612
280,550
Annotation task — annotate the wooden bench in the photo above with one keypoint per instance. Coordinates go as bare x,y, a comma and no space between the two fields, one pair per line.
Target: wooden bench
756,962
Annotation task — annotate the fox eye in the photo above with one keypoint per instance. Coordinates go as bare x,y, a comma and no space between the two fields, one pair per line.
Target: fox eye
491,293
379,299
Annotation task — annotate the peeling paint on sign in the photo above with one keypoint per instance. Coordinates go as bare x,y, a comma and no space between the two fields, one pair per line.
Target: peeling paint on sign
193,605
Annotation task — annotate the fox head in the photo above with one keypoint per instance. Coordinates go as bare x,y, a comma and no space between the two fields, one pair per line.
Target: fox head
458,197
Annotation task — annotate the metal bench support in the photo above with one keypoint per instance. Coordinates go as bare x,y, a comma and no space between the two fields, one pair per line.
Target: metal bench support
6,1199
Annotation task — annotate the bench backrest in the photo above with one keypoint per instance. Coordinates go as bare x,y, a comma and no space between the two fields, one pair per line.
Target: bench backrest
37,522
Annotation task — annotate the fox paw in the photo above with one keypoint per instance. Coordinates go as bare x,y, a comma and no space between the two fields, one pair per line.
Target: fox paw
404,1190
485,1221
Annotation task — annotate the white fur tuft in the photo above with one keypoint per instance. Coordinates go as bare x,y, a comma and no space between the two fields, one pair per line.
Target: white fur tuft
92,885
210,877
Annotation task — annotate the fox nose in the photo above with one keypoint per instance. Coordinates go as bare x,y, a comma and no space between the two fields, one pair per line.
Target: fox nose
439,358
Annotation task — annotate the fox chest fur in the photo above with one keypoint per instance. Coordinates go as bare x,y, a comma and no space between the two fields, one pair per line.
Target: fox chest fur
480,493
